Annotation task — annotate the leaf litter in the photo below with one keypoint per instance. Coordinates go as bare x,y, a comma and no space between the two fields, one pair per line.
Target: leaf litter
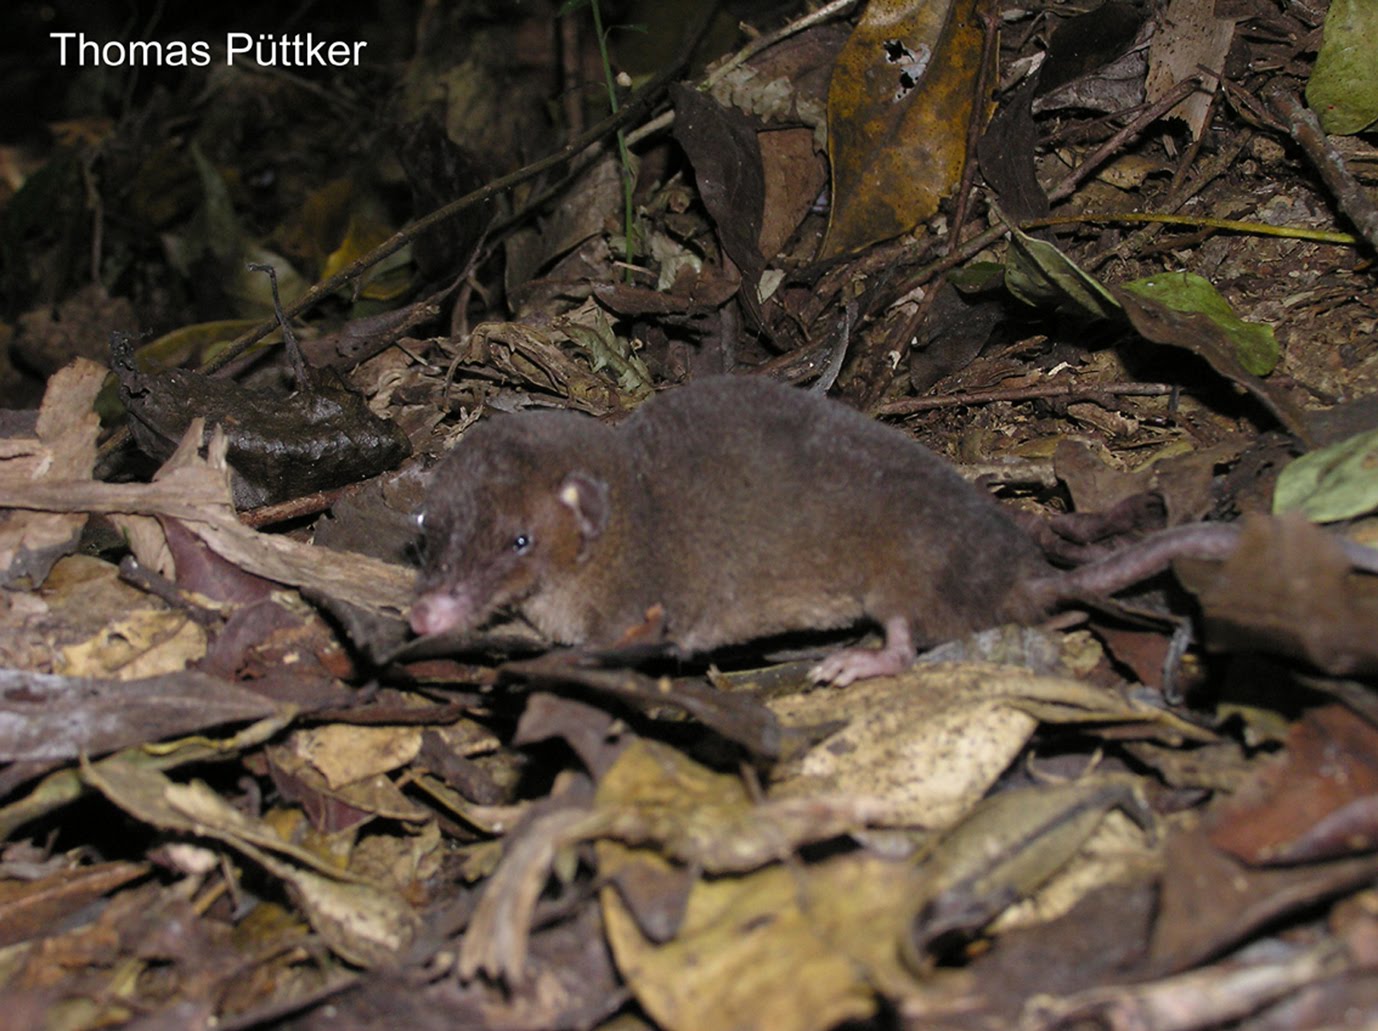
237,793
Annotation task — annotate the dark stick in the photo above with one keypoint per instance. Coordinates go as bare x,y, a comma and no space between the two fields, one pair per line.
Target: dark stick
1349,195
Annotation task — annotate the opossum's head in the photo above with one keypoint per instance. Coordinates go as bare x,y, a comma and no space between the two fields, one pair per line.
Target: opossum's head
509,511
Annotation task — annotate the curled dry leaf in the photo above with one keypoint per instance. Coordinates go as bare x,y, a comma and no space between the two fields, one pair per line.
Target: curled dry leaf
1005,850
332,808
1214,996
930,743
364,923
654,794
63,447
496,943
196,491
830,930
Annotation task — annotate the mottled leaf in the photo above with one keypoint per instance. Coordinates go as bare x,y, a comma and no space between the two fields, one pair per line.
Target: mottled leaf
900,101
1343,89
1336,482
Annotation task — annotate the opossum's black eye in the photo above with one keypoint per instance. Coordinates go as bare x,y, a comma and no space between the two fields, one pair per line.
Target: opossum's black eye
521,543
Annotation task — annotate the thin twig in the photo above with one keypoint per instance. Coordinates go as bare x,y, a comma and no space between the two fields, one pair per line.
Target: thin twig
1063,189
825,13
967,250
1349,195
1199,139
630,110
976,123
1209,171
623,155
406,234
910,405
289,339
1115,143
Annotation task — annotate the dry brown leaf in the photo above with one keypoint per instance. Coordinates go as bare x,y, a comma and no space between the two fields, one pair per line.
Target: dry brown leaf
654,793
146,642
63,448
361,923
1289,589
795,174
901,98
330,808
1315,801
1190,37
344,753
31,908
498,938
928,744
46,717
196,491
1209,901
364,923
653,797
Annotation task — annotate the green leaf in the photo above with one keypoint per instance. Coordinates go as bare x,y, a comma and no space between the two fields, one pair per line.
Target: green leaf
1254,343
1336,482
222,235
1343,90
1041,275
977,276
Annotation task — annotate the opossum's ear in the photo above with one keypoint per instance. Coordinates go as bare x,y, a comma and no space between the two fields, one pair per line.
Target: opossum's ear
587,499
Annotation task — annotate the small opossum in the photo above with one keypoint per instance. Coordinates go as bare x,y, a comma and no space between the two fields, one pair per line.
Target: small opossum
732,509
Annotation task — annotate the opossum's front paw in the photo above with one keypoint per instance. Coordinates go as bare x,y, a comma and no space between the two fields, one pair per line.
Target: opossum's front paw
651,629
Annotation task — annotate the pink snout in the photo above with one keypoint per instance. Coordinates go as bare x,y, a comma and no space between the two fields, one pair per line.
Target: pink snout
440,612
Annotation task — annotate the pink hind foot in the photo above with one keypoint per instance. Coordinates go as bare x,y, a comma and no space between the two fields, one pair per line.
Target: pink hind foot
852,664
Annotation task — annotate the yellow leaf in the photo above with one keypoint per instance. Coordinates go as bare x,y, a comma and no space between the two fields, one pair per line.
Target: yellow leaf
899,104
384,282
830,930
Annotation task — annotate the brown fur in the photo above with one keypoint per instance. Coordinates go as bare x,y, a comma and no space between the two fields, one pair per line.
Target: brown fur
744,507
